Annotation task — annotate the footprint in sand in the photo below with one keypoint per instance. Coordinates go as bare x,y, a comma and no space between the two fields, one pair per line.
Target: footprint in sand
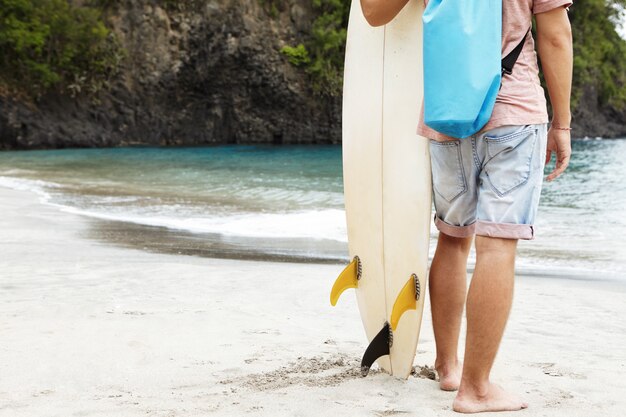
390,412
315,371
550,369
424,372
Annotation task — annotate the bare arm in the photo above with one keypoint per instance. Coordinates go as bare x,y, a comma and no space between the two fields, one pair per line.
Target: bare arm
554,45
381,12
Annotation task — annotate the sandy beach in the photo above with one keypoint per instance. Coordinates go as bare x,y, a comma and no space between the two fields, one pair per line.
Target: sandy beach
90,328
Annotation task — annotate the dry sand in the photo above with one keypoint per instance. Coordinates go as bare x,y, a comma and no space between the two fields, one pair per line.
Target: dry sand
92,329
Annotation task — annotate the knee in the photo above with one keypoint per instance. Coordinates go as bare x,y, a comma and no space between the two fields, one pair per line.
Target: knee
495,246
459,244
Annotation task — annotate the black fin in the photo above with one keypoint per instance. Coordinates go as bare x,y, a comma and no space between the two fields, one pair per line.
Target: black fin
379,346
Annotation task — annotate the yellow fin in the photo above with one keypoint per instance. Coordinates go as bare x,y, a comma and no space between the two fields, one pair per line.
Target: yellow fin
348,278
406,300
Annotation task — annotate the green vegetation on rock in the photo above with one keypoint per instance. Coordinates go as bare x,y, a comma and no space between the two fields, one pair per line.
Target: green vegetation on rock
599,52
64,46
297,55
325,49
51,45
273,7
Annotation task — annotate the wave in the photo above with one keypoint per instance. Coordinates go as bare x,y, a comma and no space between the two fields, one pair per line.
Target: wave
310,224
307,224
39,187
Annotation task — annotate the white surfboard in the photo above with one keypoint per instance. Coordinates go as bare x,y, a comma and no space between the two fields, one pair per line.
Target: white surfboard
387,184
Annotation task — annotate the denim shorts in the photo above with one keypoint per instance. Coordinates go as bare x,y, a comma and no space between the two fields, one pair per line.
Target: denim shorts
489,184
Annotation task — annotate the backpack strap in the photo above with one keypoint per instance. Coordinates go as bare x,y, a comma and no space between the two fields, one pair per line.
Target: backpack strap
509,61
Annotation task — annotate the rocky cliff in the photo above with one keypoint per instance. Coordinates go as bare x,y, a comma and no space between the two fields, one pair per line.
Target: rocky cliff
209,73
591,118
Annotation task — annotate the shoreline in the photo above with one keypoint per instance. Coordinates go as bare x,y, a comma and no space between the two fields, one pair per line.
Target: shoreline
220,144
92,328
170,240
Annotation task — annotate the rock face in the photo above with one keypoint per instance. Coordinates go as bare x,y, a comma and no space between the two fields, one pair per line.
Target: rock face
212,73
591,119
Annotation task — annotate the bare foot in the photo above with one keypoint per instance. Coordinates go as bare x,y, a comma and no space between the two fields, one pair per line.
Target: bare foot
449,376
494,399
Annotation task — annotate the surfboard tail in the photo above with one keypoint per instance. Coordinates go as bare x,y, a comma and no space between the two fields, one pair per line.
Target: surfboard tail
348,278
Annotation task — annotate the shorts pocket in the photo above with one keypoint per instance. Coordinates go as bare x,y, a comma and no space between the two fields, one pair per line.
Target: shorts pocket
509,158
447,169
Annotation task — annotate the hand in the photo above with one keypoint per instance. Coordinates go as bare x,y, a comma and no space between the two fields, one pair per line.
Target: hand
559,142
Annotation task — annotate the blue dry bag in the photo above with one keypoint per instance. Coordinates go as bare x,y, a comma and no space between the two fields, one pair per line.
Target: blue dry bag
462,64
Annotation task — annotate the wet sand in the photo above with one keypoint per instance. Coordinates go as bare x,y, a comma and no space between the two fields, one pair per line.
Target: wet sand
214,245
92,326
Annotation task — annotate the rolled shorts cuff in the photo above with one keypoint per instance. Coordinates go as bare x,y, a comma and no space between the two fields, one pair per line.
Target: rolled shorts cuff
454,231
505,230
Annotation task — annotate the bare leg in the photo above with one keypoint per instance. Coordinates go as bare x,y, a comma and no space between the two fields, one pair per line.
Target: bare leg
488,306
448,282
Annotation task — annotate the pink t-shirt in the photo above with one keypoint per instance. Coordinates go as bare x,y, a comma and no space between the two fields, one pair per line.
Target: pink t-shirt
521,99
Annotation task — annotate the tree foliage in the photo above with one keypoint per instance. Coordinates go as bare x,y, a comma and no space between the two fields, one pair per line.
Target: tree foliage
322,55
54,45
51,45
297,55
599,52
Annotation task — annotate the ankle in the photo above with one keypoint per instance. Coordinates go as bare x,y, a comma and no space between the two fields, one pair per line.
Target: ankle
446,365
474,387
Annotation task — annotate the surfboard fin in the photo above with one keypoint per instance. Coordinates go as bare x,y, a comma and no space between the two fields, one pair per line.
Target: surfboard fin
406,300
379,346
348,278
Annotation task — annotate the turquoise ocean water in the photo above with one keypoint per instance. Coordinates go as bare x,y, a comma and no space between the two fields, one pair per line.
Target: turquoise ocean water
288,200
